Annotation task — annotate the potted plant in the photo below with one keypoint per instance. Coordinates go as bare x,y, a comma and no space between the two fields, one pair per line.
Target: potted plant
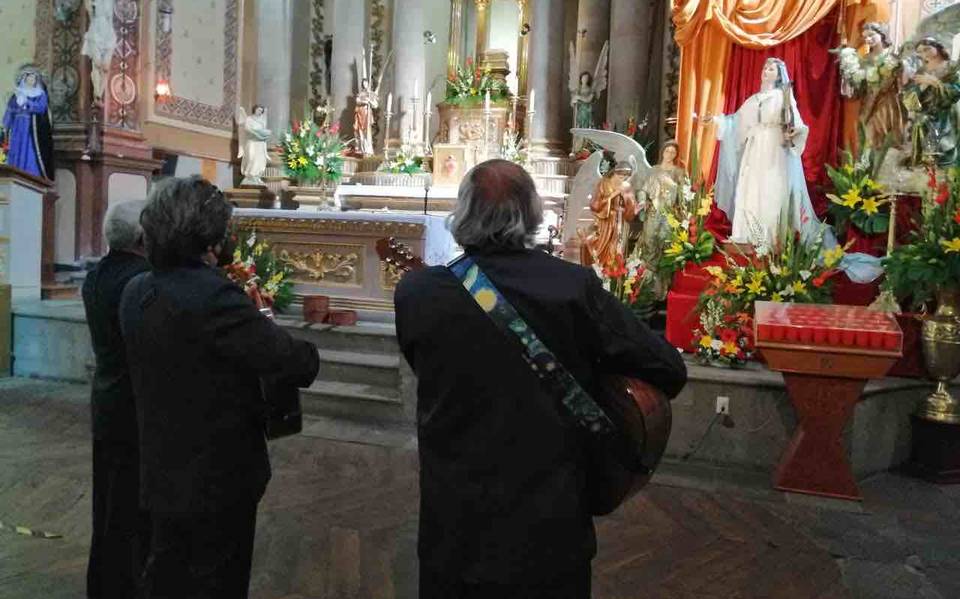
313,155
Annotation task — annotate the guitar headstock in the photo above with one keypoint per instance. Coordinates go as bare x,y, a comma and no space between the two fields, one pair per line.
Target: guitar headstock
397,254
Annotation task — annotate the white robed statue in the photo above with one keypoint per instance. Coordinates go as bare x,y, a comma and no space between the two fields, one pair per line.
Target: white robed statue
760,183
254,136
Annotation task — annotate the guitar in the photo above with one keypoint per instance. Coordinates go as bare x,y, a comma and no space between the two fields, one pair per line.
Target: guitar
621,465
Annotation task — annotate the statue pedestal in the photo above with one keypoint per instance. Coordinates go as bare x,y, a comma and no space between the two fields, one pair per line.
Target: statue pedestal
251,196
21,231
313,198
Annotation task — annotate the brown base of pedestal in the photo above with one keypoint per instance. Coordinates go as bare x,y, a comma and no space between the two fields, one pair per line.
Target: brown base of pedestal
55,291
936,451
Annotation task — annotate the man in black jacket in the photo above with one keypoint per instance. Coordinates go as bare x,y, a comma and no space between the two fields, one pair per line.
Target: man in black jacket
121,530
502,464
197,347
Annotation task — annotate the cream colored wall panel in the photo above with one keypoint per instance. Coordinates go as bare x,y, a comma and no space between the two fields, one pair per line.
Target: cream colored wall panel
17,40
197,61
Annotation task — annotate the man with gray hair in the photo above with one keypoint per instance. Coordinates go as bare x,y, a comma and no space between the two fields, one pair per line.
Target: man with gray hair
121,531
503,507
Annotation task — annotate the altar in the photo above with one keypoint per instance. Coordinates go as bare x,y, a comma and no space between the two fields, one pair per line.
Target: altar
334,253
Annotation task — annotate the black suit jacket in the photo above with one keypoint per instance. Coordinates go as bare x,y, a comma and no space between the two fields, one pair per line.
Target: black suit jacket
113,417
502,464
196,347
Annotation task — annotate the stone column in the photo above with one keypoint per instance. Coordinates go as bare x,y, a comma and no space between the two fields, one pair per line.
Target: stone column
593,30
409,68
274,35
631,26
483,28
523,48
349,37
455,43
545,68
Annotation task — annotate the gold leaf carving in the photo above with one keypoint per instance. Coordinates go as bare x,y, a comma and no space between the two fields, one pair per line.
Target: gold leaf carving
319,225
390,275
318,265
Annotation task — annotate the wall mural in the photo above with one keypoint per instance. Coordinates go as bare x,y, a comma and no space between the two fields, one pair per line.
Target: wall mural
66,40
188,110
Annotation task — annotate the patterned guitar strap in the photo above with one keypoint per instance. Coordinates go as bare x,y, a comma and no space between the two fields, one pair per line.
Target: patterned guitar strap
552,374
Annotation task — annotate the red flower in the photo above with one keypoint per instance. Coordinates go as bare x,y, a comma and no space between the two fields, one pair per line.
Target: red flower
693,232
728,336
711,291
932,181
956,217
943,194
822,278
296,127
606,126
469,61
335,128
616,268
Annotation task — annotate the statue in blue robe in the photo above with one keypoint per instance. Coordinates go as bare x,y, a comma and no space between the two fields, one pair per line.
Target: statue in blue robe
26,126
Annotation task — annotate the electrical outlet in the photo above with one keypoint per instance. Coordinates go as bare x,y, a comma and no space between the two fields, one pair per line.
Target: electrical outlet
723,404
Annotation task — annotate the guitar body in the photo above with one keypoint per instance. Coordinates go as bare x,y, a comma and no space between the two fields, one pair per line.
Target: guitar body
619,464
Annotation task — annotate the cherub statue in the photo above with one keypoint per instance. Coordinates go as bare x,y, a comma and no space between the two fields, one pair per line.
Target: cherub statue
366,102
585,89
254,135
99,43
658,197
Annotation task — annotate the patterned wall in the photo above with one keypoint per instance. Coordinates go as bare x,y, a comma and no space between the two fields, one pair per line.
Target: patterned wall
928,7
199,56
121,96
17,40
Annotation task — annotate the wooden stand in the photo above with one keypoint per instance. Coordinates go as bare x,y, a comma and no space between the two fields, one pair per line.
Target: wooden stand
824,383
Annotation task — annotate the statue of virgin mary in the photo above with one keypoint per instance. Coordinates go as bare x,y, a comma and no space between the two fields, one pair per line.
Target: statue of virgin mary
760,183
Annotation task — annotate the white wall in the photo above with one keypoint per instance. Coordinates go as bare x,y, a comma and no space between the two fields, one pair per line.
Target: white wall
124,187
65,218
189,165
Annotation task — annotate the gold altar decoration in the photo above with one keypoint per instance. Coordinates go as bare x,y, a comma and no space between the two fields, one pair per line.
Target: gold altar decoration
314,225
459,125
940,337
706,31
338,264
390,275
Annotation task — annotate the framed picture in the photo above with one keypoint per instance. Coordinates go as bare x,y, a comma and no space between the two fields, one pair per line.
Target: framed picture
449,164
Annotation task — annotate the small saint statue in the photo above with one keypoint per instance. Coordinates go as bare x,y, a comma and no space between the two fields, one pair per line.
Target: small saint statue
586,88
658,197
874,79
254,136
930,98
366,103
26,125
613,205
99,43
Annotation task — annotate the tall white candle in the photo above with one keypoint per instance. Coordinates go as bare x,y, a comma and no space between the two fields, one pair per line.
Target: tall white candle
486,102
429,105
533,95
390,102
416,87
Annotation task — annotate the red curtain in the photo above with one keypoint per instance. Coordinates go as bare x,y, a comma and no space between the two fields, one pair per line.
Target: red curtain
817,89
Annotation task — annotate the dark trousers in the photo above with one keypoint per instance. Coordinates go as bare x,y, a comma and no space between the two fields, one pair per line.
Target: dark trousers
121,530
201,556
574,584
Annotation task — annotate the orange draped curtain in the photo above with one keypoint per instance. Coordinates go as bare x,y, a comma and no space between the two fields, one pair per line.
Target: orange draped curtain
706,30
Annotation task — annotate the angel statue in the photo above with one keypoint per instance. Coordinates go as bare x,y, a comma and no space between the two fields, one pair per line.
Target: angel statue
585,89
366,102
760,183
930,99
875,79
254,136
658,197
99,43
604,202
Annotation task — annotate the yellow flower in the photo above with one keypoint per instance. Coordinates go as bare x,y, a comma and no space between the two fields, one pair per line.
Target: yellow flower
302,161
799,287
776,297
672,221
951,246
832,256
704,209
871,185
717,273
851,198
848,169
730,348
758,276
705,341
755,287
292,163
870,206
675,248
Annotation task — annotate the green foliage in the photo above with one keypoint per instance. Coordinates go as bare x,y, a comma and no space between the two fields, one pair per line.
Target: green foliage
469,85
313,154
255,263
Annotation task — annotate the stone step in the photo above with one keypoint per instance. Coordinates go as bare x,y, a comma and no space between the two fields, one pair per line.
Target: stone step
353,401
382,370
370,338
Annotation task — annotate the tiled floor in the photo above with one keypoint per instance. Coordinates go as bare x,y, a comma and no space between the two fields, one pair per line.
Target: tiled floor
339,521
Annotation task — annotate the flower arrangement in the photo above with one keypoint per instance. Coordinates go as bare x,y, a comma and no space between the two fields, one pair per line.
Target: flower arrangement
792,272
857,197
689,240
469,85
871,74
629,281
514,149
931,261
404,163
259,271
313,154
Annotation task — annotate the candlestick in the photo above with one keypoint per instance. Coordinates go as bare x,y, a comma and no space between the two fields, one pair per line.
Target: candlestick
389,102
427,111
486,102
533,95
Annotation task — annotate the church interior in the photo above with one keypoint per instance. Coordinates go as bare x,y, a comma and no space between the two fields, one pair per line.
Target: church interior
772,185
